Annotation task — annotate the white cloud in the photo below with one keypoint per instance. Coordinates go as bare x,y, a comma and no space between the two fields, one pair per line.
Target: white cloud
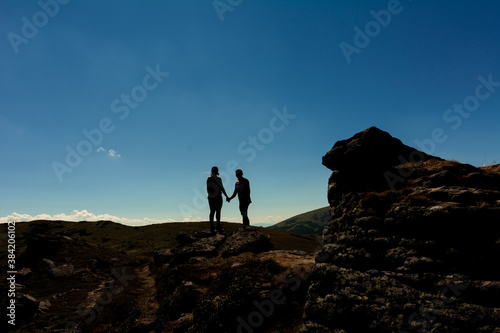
111,152
236,219
266,221
84,215
191,219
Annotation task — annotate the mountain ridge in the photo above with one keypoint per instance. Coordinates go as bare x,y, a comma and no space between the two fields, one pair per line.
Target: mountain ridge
308,223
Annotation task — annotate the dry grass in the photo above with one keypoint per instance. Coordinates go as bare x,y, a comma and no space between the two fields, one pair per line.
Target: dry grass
492,169
432,164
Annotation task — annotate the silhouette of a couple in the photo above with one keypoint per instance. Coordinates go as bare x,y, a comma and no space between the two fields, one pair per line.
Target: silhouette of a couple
215,191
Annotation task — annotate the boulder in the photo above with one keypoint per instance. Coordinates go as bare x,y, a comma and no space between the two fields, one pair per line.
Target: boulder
24,271
162,256
246,239
183,238
418,256
44,306
205,247
49,267
204,244
362,161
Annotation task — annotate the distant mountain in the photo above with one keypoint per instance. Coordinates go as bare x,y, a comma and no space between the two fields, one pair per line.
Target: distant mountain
310,223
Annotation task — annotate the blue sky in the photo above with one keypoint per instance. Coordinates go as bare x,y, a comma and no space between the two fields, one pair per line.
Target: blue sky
167,89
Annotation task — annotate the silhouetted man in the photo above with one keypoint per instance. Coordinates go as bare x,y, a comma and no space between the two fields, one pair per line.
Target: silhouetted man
215,190
242,188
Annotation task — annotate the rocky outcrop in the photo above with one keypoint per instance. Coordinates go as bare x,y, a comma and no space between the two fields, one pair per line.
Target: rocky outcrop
246,239
205,245
412,246
64,270
217,283
365,161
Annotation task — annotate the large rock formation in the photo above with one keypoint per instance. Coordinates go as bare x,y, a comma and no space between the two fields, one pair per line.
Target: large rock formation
413,244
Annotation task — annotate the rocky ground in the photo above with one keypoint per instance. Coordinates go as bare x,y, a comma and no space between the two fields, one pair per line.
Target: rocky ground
413,245
62,281
222,284
207,283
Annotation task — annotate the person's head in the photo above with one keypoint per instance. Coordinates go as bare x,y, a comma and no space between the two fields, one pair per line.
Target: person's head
239,173
215,171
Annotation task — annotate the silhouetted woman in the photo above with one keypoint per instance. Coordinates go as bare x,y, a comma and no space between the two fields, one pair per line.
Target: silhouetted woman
215,190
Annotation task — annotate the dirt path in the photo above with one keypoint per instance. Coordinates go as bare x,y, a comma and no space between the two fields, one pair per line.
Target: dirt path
147,304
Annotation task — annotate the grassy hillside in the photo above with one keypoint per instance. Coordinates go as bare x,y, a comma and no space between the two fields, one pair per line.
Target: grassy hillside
310,223
142,241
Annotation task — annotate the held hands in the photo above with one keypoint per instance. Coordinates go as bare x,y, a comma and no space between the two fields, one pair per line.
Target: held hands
228,199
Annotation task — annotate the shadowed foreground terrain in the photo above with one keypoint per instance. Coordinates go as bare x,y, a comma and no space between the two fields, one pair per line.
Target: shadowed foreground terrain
106,277
412,246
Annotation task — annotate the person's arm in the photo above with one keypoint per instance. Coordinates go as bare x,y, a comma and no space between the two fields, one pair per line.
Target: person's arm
234,194
248,186
208,187
222,189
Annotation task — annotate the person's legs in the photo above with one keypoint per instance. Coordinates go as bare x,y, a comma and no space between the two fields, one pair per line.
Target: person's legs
219,226
212,213
218,214
244,212
211,203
